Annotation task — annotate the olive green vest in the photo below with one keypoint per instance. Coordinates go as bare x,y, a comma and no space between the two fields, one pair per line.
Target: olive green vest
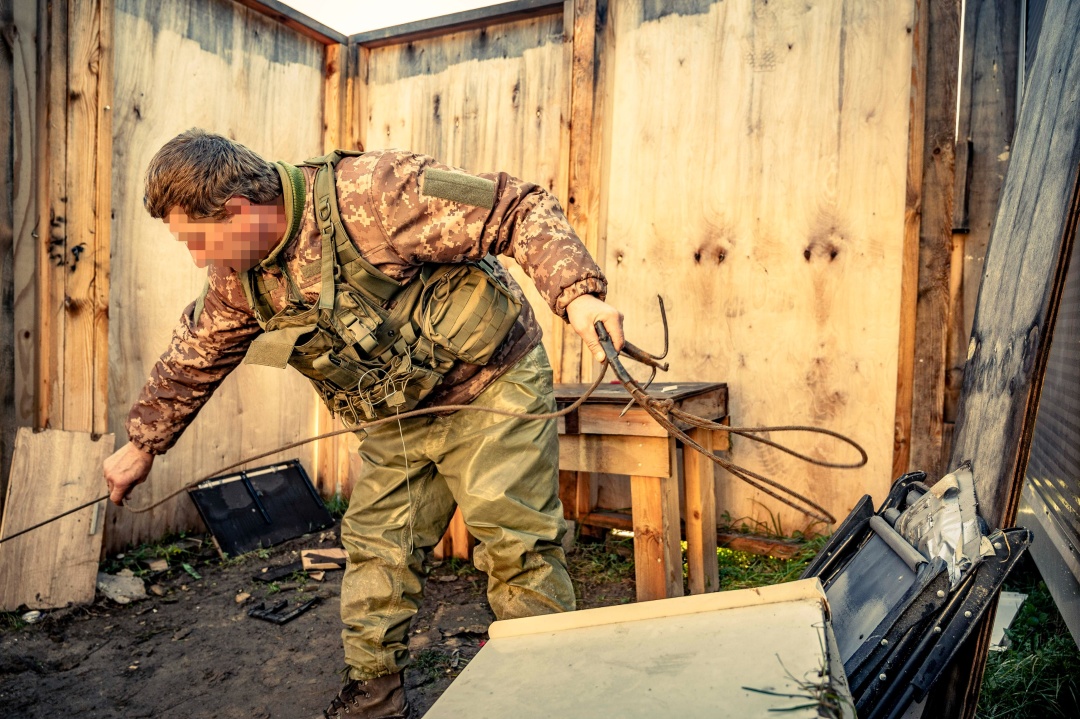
372,346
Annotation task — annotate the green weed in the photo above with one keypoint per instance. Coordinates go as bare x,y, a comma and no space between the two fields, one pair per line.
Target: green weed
430,663
742,570
336,506
611,561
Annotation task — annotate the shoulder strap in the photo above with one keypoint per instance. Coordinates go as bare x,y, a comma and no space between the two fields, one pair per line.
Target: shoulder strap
331,227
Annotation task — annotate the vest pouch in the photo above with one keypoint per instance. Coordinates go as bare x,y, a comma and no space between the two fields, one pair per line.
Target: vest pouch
467,311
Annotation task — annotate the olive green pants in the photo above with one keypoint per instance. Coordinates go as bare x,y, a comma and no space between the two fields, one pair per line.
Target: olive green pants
501,471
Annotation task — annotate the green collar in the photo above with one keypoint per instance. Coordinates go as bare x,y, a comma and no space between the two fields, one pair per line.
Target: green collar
294,190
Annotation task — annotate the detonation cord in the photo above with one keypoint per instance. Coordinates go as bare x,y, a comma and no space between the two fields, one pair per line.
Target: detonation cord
660,409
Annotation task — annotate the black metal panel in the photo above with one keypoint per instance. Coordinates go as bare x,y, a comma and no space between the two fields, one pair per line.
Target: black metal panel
261,507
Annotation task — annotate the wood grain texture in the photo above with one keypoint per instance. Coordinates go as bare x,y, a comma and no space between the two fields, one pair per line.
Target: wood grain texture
987,121
8,418
490,99
55,565
1023,277
755,176
703,571
657,549
932,309
24,79
274,79
641,456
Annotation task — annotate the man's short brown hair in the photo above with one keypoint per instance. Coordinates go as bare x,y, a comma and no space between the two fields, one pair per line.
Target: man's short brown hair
199,171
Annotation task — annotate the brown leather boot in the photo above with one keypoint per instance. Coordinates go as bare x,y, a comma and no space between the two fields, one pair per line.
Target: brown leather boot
381,698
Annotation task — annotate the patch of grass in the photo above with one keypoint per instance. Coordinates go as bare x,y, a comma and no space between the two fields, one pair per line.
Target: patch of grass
1039,674
336,506
11,621
611,561
430,663
172,549
460,567
742,570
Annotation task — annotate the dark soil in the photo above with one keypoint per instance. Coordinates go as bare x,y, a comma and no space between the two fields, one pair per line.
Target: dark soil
195,653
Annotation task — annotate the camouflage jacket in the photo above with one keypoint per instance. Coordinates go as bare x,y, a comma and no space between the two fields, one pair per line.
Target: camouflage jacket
397,228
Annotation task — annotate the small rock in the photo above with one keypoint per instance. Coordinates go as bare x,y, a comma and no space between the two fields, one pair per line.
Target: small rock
446,578
32,617
181,634
157,565
157,590
242,597
121,588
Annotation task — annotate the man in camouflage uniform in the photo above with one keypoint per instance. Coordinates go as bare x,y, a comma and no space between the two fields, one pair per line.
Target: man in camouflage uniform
227,204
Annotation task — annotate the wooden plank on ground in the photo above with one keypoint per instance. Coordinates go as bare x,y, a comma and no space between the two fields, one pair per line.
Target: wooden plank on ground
703,570
56,565
1023,277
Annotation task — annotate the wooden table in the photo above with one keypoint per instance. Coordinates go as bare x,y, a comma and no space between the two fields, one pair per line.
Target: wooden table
595,438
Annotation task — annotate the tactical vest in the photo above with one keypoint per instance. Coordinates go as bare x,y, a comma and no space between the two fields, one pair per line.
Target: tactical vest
372,346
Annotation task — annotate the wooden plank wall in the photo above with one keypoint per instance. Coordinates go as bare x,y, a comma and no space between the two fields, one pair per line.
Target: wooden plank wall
490,99
220,66
754,175
494,98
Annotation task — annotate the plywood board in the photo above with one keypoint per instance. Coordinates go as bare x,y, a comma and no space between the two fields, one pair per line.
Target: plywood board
487,100
216,65
56,565
691,656
754,174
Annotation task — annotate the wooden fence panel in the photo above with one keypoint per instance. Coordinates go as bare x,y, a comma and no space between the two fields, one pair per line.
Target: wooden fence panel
754,175
495,98
225,68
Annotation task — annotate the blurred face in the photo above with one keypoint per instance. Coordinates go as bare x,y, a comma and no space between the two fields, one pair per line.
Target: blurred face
237,242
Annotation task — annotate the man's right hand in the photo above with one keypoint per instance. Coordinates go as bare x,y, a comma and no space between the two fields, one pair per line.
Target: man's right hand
125,468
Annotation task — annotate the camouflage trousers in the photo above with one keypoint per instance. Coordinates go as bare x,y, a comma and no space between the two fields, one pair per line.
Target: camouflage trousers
501,471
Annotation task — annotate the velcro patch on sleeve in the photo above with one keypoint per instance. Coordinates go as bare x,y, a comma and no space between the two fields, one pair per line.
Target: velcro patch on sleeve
458,187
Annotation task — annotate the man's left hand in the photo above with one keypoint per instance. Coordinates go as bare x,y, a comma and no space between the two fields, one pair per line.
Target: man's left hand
584,312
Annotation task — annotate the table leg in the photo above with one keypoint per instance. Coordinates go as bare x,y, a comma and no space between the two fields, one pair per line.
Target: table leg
657,548
702,568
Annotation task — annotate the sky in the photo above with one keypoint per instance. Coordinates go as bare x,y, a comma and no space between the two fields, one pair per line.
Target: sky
353,16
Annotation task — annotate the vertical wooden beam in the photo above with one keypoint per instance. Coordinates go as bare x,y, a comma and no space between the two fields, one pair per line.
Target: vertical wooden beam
335,93
356,101
580,32
86,251
7,244
103,217
1023,278
985,125
703,571
928,236
657,539
51,61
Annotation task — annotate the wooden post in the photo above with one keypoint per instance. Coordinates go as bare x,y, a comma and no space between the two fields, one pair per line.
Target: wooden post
7,246
925,288
986,123
580,32
657,536
1023,278
702,568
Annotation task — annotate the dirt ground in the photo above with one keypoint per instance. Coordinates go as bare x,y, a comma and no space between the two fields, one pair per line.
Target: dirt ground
194,652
